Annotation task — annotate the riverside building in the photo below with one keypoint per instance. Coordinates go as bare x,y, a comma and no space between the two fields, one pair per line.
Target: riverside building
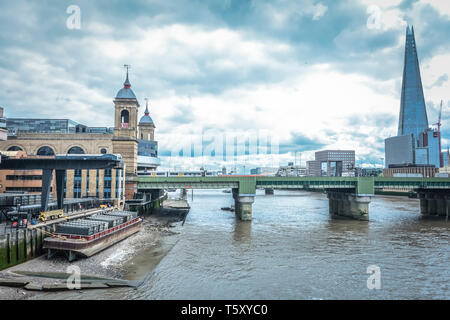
132,139
332,163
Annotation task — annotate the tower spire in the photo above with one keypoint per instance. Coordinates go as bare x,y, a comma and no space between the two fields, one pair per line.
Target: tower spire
127,84
408,30
146,107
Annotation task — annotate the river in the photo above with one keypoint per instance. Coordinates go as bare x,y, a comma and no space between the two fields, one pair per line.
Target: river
292,249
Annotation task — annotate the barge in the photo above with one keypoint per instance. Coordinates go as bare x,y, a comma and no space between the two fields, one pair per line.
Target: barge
83,238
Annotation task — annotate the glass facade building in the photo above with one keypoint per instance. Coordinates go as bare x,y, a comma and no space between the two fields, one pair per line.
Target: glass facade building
100,130
399,150
413,115
415,143
41,125
147,148
17,125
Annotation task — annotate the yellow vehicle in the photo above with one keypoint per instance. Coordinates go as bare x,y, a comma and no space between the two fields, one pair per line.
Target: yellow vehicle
50,215
103,206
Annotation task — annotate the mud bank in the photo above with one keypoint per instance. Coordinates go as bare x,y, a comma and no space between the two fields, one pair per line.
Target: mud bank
131,259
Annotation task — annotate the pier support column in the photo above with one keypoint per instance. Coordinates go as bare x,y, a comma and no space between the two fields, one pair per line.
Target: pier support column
359,207
244,211
60,174
441,206
332,205
343,204
269,191
432,207
243,205
235,192
434,202
47,175
423,204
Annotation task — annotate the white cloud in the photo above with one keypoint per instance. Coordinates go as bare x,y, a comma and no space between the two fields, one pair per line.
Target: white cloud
206,75
320,100
383,17
431,70
442,6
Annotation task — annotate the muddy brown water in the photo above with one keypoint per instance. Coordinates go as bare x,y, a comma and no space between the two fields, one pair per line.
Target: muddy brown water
292,250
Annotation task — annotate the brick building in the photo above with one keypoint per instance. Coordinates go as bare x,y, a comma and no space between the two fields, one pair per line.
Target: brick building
133,140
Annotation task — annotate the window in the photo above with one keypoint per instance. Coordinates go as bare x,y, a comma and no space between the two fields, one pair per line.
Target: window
125,116
103,151
14,148
75,150
23,177
45,151
24,189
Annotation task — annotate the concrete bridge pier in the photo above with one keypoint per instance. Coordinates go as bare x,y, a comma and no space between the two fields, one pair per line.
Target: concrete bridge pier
243,205
349,205
423,204
269,191
434,203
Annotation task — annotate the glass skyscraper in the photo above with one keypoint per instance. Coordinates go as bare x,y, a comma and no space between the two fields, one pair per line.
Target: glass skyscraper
415,144
413,114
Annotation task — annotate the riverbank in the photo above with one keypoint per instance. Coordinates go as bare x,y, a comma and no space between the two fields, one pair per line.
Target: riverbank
129,260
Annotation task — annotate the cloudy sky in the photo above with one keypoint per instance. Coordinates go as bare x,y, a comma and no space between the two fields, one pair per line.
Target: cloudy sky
312,74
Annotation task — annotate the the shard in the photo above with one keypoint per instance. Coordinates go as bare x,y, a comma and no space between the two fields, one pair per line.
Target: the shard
413,115
416,145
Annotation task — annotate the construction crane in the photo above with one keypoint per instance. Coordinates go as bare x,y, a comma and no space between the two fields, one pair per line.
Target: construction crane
438,124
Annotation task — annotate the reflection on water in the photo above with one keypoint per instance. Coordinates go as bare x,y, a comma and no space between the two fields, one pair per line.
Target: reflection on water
293,250
242,232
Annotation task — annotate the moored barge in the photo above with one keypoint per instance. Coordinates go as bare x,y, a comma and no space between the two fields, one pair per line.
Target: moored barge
86,237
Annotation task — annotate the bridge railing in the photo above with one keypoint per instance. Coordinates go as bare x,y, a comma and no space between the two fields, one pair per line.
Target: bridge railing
248,184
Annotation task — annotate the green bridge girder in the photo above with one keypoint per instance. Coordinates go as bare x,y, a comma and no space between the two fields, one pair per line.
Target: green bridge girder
249,184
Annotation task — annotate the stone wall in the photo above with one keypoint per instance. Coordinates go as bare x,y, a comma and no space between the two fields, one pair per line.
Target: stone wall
60,142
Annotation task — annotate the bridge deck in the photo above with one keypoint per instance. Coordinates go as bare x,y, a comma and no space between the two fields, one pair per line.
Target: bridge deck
248,184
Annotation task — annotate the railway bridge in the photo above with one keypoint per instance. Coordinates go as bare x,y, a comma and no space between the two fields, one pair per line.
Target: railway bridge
348,196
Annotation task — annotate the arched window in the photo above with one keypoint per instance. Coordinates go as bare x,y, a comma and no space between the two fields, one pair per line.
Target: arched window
14,148
45,151
103,151
75,150
124,118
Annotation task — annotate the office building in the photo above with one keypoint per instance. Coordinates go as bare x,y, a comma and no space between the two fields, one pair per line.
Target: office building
107,184
416,145
332,163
